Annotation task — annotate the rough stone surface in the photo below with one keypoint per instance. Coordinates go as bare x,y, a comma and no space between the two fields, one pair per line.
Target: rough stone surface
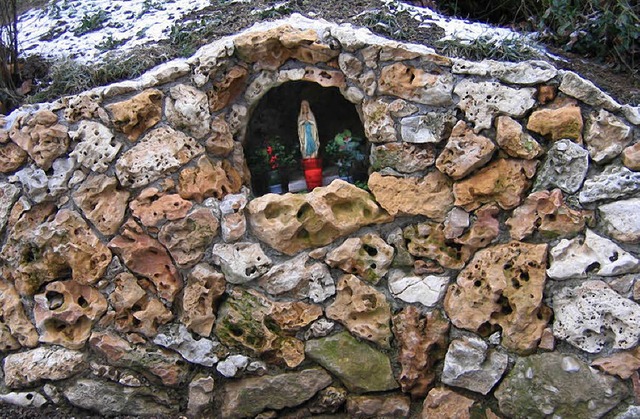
379,126
514,141
102,202
233,223
25,369
187,108
622,364
362,309
442,403
630,157
427,87
136,115
220,142
368,257
387,406
201,396
12,157
84,106
422,340
557,124
464,152
8,196
358,366
432,127
591,315
593,254
290,223
564,167
97,146
427,240
16,329
41,136
197,351
241,262
402,157
202,292
296,278
613,182
153,207
502,285
542,385
502,182
427,290
188,239
606,136
160,151
621,220
25,399
430,196
209,179
584,90
470,364
247,397
482,101
227,86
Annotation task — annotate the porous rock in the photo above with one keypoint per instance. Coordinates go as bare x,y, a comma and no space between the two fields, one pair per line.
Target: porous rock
199,351
226,87
621,220
591,315
102,202
136,115
200,298
379,126
12,157
428,240
557,124
431,127
9,194
25,399
187,108
427,290
209,179
442,403
402,157
464,152
233,222
241,262
512,139
564,167
41,136
415,84
188,239
299,280
16,329
502,285
84,106
388,405
220,142
152,207
25,369
606,136
368,257
613,182
97,146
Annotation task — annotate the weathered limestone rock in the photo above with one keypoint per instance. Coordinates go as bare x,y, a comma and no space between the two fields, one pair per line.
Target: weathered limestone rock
379,127
606,136
8,196
357,365
201,396
431,87
66,311
362,309
41,251
200,299
299,280
557,124
227,86
613,182
587,92
290,223
484,229
232,365
136,115
323,77
241,262
187,108
525,73
464,152
201,351
422,340
514,141
250,396
456,223
427,290
502,285
591,315
564,167
152,207
188,239
25,369
594,254
547,213
233,222
145,256
470,364
622,364
247,319
209,179
12,157
84,106
482,101
368,257
386,406
16,329
430,196
97,146
264,48
25,399
502,182
35,183
102,203
109,398
220,142
620,219
432,127
402,258
402,157
428,240
630,157
545,384
442,403
41,136
160,151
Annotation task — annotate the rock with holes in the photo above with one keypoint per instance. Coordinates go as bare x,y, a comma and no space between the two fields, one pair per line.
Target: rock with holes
386,406
379,127
593,254
613,182
402,157
606,136
145,256
188,239
422,340
199,351
102,202
12,157
503,286
593,315
514,141
545,384
620,219
369,257
482,101
25,399
428,240
241,262
470,364
153,207
209,179
630,157
325,78
16,330
160,151
432,127
97,146
41,136
25,369
484,228
264,47
202,292
430,195
362,309
233,222
66,311
427,290
220,142
464,152
558,123
187,108
228,84
136,115
290,223
431,87
442,403
84,106
305,46
564,167
9,194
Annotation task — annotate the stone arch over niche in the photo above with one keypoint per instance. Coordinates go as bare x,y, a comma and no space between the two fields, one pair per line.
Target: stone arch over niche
274,118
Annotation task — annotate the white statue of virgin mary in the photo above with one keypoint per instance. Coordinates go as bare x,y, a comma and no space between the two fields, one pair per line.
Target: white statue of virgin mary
308,132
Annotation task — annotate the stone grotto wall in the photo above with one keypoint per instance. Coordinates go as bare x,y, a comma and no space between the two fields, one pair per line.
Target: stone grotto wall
490,270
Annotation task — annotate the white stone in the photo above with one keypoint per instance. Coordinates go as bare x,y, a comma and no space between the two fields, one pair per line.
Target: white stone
260,86
232,365
165,73
587,92
564,167
632,113
321,283
34,182
526,73
613,182
26,399
432,127
570,364
8,196
456,223
320,328
427,290
591,315
63,169
179,339
578,257
379,127
207,59
241,262
285,276
188,108
97,146
606,136
621,219
24,369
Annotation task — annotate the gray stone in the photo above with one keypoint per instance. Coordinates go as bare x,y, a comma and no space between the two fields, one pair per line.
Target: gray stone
621,220
427,290
321,283
632,113
62,171
632,412
109,398
200,397
8,196
241,262
538,387
432,127
97,146
587,92
26,399
250,396
34,182
470,364
614,182
402,256
564,167
178,338
606,137
369,257
285,276
591,315
24,369
320,328
526,73
385,406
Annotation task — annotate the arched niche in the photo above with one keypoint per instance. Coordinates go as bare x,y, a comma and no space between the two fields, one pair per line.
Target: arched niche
276,117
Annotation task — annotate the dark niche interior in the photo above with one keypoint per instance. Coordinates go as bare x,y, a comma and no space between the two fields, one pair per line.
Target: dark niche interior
272,146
